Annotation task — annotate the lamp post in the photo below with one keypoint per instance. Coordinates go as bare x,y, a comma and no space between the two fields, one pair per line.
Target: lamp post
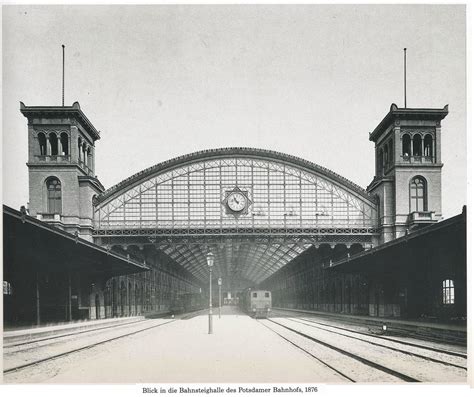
219,282
210,263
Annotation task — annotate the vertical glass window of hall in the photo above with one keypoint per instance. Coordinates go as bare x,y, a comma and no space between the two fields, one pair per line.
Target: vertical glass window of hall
418,195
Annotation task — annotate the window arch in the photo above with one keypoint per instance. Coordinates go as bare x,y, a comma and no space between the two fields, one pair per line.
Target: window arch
79,146
417,150
53,141
428,146
53,188
390,151
418,188
84,153
42,144
64,144
380,161
406,145
448,292
89,157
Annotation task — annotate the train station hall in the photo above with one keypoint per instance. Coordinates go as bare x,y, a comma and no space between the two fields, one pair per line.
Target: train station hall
206,229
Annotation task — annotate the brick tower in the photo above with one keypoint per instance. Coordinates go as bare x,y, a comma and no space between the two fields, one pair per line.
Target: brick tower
62,182
408,166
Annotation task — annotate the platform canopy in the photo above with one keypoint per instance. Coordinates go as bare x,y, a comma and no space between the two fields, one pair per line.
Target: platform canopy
30,245
255,209
440,243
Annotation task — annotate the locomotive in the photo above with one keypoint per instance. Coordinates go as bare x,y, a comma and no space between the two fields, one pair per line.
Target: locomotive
257,303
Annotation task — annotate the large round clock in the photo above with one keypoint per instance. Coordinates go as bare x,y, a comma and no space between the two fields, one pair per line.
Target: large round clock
236,201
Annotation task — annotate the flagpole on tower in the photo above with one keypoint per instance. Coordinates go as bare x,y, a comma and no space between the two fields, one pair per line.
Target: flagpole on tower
63,73
405,75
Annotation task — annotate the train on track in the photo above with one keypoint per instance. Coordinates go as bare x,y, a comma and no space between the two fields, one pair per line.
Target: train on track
257,303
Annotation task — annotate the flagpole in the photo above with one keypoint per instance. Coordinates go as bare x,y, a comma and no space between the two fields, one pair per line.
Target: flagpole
405,75
63,74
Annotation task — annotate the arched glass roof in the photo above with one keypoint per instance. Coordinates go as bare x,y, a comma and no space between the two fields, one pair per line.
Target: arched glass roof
249,206
192,192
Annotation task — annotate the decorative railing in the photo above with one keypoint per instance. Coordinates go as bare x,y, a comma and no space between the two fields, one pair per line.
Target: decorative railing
421,217
47,217
417,159
53,158
86,168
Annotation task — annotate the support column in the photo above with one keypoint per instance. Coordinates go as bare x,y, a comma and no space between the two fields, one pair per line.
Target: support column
437,145
69,297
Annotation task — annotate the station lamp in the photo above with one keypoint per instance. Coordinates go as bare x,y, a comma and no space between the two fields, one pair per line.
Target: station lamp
210,263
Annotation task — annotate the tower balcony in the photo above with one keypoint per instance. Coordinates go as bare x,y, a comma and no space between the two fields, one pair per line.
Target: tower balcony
407,159
55,219
421,218
53,158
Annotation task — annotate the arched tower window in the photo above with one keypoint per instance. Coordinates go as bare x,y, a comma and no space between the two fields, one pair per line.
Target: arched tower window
89,162
428,149
79,146
53,187
385,156
64,144
448,292
53,141
390,151
84,153
406,145
380,162
418,200
42,144
417,151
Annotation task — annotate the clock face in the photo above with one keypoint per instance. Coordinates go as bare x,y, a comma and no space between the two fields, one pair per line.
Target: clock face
236,201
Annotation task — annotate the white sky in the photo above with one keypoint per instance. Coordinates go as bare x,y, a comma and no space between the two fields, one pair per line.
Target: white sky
163,81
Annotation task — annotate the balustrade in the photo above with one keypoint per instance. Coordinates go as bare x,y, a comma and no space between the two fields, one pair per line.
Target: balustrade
53,158
417,159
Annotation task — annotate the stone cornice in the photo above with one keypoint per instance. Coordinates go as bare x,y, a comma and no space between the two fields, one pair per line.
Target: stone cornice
73,111
397,113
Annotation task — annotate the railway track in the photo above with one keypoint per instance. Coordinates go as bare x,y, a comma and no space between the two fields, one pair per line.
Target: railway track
28,347
394,330
382,337
402,349
355,363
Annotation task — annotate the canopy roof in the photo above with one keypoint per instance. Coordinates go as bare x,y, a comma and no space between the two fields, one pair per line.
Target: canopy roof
33,245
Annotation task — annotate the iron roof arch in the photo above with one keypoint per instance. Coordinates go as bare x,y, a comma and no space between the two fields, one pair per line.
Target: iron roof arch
230,152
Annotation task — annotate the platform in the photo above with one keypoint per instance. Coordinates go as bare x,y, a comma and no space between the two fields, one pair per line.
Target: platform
30,334
240,349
